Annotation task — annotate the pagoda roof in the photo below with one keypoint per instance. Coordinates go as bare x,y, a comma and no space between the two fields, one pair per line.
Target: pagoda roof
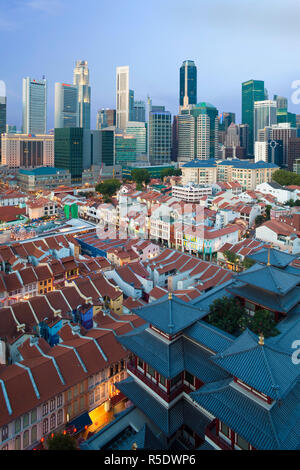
270,301
170,359
169,420
209,336
169,315
267,368
269,279
275,427
277,258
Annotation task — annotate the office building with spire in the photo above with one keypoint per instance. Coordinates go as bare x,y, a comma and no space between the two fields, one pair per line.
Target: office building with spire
82,81
188,83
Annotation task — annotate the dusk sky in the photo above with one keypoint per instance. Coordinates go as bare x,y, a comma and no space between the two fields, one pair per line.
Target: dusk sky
230,41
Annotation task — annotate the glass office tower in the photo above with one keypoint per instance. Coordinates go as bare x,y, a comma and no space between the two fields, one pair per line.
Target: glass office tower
66,106
264,115
34,106
82,80
252,90
160,135
188,83
68,151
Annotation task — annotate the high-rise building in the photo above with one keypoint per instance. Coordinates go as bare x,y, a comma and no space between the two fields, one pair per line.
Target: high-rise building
244,136
225,120
264,115
106,118
139,111
139,131
284,132
122,97
160,135
293,153
125,148
82,80
2,114
281,101
68,150
232,138
131,105
270,151
252,90
27,150
174,154
108,146
188,83
11,129
34,106
66,106
198,132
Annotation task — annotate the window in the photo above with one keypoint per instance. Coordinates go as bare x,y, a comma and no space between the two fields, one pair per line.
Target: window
241,442
75,406
97,394
224,429
45,426
162,380
52,421
176,381
81,403
52,404
189,378
69,395
45,409
75,391
18,425
25,420
91,398
82,387
4,432
140,363
18,443
59,400
150,371
26,439
59,417
33,434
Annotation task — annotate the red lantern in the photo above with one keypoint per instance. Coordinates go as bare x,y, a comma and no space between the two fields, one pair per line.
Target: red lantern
75,430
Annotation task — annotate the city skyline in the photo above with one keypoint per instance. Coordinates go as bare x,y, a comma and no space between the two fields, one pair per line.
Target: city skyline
154,61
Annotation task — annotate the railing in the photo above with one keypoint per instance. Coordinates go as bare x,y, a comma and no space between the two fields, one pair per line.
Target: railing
168,397
210,432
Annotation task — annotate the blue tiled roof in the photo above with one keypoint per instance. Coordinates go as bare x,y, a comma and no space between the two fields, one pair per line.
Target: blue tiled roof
210,336
266,368
171,359
278,258
274,427
169,315
43,170
205,300
169,420
271,301
269,278
236,163
197,163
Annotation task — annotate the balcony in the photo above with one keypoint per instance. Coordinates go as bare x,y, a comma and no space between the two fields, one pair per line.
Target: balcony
212,434
168,397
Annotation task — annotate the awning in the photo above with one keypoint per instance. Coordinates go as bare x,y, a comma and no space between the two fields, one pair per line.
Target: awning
117,398
80,422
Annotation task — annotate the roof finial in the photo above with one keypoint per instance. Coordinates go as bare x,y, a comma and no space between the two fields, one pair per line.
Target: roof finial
170,295
269,254
261,341
134,446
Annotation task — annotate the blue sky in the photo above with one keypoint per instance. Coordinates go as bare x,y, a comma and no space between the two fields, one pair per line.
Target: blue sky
230,40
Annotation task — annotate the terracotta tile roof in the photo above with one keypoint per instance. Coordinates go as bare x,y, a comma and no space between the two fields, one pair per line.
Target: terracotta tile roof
43,272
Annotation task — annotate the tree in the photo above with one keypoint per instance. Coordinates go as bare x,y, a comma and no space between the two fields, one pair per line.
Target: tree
286,178
170,172
248,262
108,188
259,220
140,176
228,314
263,322
268,210
231,257
61,442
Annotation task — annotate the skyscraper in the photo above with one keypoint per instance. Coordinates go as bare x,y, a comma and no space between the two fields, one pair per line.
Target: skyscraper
252,90
160,135
122,97
82,80
66,106
34,106
68,151
264,115
2,114
139,111
198,132
139,131
188,83
106,118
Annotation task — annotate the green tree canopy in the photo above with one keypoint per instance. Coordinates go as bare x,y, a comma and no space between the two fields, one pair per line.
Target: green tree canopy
248,262
286,178
61,442
170,172
231,257
228,314
108,188
263,321
140,176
